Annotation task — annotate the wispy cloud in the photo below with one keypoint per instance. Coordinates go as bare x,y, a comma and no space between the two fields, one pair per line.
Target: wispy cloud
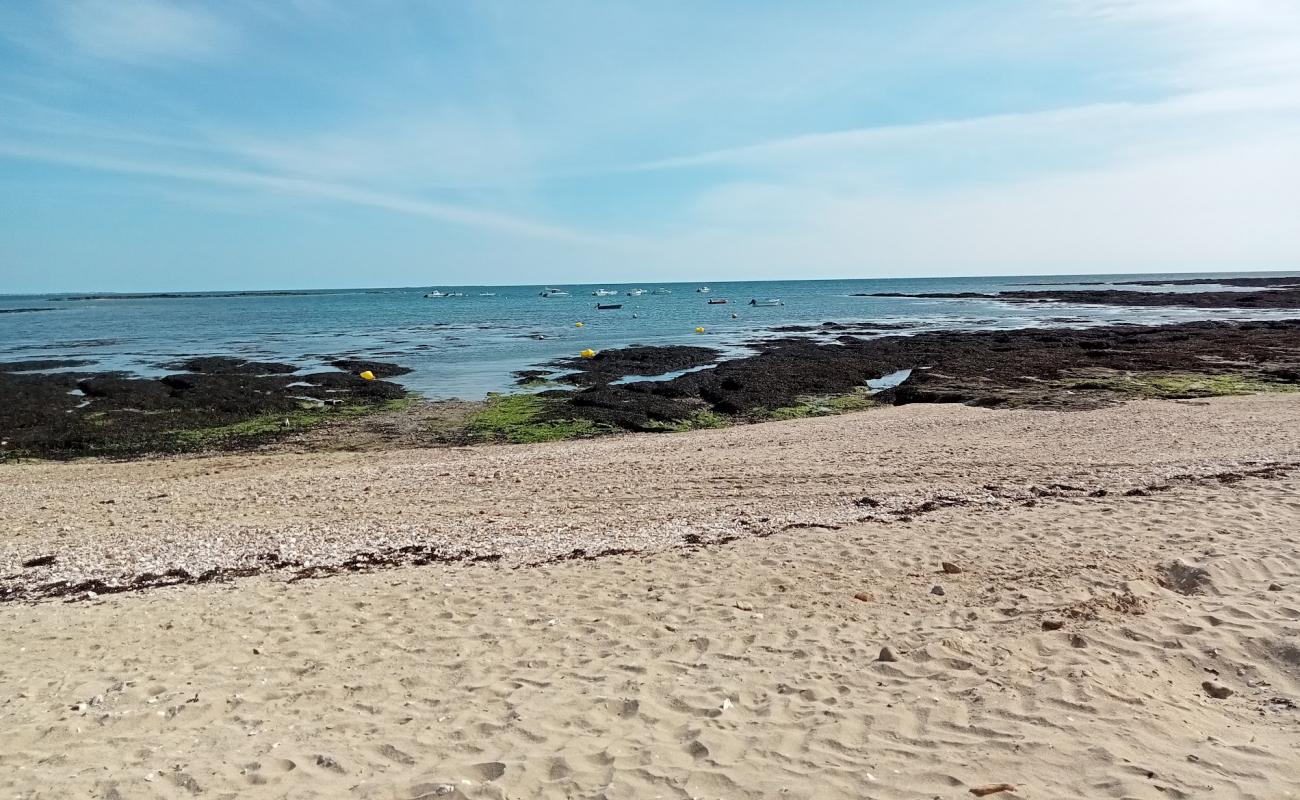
1210,42
1074,119
301,187
143,31
864,137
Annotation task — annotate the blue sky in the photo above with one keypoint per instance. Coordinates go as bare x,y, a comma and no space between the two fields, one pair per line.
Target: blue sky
156,144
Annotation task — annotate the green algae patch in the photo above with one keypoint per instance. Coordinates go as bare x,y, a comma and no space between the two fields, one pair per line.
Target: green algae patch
526,418
1180,386
822,406
268,426
699,421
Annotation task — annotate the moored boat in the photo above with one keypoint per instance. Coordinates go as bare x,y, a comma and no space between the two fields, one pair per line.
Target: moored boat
771,301
704,290
553,293
636,293
718,301
662,290
604,293
608,306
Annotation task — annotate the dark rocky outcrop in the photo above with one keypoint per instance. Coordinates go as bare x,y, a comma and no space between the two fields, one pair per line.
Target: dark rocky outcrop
231,365
380,369
610,365
39,364
220,401
1287,297
1034,368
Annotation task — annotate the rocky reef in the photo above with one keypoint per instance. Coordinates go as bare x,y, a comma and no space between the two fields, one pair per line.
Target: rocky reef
1059,368
1281,292
210,402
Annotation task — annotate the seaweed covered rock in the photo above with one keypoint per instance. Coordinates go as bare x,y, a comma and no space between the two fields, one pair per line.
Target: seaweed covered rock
610,365
231,365
230,403
380,369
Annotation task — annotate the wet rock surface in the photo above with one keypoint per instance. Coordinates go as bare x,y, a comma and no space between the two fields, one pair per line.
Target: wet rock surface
38,364
217,402
380,369
610,365
1266,280
230,365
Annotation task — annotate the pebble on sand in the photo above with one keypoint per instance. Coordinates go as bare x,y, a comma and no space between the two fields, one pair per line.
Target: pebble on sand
886,655
1217,691
938,590
1052,624
951,568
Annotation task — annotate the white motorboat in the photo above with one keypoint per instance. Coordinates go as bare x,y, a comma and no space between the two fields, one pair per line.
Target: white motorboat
554,293
636,293
604,293
771,301
704,290
662,290
436,293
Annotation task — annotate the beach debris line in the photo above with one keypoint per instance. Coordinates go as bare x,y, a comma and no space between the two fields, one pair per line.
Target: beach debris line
992,788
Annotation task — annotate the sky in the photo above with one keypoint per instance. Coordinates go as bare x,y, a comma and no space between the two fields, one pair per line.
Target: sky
150,145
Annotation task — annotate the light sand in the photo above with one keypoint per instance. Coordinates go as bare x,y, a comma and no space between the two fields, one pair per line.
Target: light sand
538,502
742,670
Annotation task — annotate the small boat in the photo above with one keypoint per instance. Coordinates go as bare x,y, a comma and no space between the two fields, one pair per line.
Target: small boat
718,301
771,301
609,306
704,290
487,294
662,290
553,293
604,293
436,293
455,294
636,293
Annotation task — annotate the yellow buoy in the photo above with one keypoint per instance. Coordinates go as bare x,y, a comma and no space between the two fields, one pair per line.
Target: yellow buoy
368,375
588,353
577,324
699,330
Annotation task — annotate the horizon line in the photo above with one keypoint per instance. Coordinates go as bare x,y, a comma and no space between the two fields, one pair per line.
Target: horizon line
628,283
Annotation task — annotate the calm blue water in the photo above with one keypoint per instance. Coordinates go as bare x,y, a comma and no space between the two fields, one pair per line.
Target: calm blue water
467,346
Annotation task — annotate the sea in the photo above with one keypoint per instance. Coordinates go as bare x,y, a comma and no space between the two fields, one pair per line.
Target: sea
472,342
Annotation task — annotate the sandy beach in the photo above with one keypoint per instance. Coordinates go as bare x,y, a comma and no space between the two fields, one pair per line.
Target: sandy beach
1116,617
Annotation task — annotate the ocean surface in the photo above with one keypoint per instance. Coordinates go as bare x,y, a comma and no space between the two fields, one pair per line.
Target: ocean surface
466,346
